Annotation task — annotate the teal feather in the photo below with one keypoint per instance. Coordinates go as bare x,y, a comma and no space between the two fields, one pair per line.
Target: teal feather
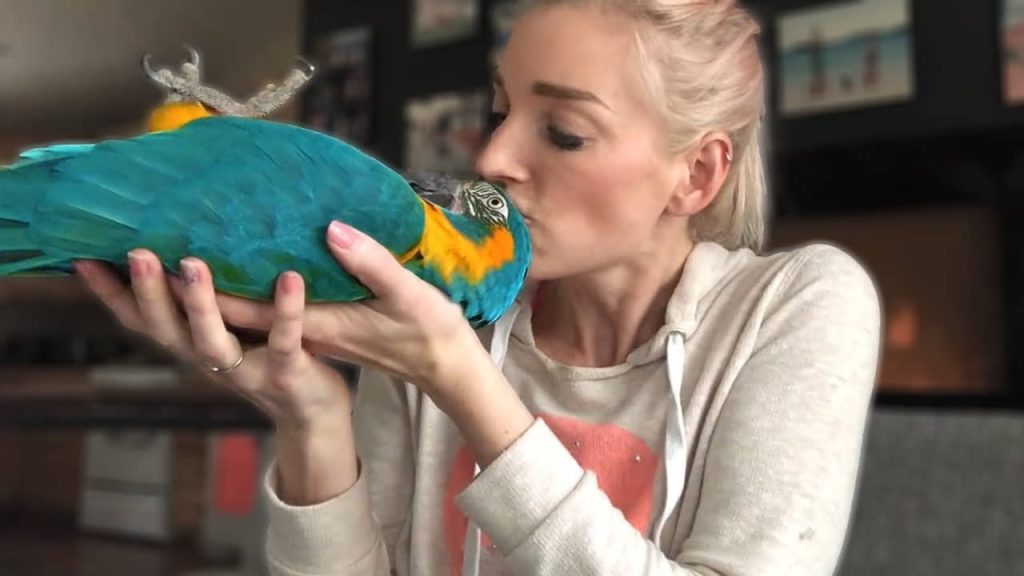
250,197
471,228
50,152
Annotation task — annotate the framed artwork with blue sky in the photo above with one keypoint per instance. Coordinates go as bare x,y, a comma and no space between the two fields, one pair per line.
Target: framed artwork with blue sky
844,55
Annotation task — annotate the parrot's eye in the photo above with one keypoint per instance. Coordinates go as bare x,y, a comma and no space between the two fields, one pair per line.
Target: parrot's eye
496,203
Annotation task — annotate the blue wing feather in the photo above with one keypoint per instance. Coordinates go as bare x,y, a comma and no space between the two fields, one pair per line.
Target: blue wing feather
253,197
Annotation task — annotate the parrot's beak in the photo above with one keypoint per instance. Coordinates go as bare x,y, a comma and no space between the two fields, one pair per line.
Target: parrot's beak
437,188
442,199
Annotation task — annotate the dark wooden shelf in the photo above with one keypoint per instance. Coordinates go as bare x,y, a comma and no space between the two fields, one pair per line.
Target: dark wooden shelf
55,397
986,402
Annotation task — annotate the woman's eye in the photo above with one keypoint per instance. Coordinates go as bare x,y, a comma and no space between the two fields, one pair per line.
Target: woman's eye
564,140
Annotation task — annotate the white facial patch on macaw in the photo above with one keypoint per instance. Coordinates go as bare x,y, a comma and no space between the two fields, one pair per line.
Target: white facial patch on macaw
484,201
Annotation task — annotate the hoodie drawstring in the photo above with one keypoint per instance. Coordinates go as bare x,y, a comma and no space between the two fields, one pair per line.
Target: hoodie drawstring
499,348
675,431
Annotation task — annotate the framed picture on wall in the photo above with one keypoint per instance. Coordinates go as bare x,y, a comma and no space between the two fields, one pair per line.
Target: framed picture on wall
1012,41
444,132
844,55
339,101
441,21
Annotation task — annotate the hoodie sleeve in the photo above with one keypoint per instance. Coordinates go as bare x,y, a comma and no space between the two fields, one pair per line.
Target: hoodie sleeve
359,532
780,470
782,466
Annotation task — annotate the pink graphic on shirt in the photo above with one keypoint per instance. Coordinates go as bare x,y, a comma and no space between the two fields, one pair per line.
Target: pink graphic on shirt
624,466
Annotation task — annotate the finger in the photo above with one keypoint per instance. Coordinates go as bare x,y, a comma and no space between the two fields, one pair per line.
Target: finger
367,260
212,342
285,340
153,296
111,292
245,313
177,286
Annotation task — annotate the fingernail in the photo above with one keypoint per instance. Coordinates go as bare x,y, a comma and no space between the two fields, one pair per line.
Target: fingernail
83,269
137,264
341,235
289,282
189,272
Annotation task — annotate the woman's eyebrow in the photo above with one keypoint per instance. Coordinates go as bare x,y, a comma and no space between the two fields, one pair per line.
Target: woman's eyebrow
550,90
566,93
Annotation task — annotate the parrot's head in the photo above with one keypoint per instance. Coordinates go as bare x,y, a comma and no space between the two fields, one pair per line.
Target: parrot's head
486,252
487,204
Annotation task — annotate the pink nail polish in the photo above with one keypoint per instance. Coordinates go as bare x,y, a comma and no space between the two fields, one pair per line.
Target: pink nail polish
83,269
137,265
341,235
189,273
289,282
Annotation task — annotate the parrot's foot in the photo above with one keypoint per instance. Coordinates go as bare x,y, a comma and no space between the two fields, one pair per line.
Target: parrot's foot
179,86
186,86
273,96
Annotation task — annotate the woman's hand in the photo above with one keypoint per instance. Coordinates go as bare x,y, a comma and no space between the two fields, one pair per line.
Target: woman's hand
410,329
413,331
283,380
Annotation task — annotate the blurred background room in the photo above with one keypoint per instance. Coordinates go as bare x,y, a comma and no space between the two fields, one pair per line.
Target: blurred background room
896,132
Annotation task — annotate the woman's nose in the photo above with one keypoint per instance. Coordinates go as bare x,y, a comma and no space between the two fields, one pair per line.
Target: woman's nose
500,160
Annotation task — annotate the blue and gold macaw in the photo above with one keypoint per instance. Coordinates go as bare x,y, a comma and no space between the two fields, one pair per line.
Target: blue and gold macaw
252,198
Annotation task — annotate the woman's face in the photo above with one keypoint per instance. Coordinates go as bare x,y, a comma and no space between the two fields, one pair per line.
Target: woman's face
578,146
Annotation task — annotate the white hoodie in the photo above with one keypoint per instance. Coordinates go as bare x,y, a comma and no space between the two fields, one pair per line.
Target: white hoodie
729,444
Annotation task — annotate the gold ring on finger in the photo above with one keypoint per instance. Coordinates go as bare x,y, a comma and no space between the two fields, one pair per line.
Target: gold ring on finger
225,369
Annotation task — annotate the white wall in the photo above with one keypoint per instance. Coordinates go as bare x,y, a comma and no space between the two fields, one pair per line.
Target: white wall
71,69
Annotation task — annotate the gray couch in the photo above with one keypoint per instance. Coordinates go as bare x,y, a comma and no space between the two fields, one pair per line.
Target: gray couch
941,493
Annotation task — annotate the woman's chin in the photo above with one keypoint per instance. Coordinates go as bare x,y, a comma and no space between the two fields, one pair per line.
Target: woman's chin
542,271
536,274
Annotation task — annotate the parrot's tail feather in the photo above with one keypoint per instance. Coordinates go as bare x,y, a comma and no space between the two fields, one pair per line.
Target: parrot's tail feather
15,256
15,201
20,253
15,238
64,211
31,262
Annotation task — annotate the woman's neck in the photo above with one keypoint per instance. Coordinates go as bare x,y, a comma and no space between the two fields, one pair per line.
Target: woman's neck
598,319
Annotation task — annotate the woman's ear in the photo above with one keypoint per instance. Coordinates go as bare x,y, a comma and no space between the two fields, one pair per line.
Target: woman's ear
707,165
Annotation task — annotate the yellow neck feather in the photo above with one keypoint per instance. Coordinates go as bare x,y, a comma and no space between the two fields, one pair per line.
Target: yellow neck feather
448,250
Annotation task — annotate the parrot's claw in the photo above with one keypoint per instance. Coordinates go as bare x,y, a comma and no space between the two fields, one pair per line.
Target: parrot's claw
185,85
180,86
193,55
189,69
305,67
158,76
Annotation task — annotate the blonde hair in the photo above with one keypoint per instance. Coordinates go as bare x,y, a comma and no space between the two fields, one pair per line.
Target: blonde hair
701,62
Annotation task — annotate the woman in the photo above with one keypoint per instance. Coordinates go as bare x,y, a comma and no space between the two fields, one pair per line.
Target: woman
664,401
